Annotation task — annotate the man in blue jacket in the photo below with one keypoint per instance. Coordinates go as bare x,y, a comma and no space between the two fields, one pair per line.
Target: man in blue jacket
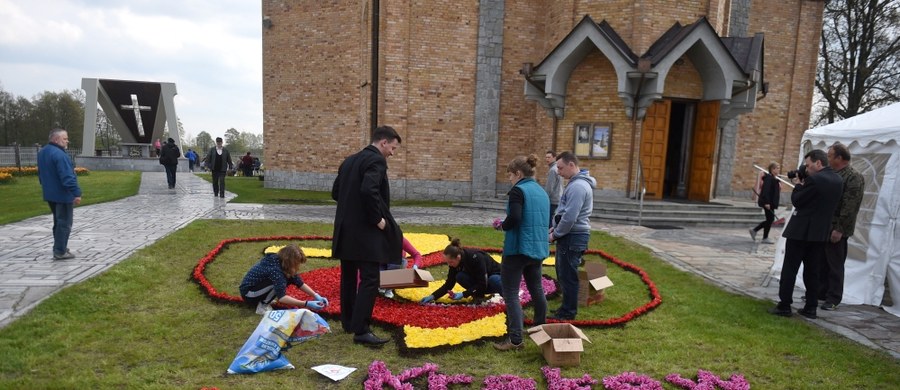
60,187
571,230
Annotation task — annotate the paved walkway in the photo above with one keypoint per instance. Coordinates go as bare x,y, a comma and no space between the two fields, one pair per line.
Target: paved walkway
28,274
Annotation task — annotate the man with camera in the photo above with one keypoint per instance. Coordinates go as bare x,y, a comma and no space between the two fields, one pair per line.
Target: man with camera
815,197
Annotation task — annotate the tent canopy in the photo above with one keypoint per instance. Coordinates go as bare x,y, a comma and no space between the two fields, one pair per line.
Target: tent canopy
881,125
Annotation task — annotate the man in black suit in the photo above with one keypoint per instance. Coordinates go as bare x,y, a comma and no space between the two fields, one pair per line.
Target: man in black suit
814,199
365,233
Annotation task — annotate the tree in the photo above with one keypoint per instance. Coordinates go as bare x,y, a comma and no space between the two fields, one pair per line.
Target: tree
859,68
234,141
204,141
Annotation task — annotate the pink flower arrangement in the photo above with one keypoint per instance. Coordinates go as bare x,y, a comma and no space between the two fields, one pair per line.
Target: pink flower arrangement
555,381
709,381
379,375
631,380
508,382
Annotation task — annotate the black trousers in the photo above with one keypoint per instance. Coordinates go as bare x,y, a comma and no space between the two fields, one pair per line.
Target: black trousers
767,224
358,295
831,279
263,292
218,180
809,253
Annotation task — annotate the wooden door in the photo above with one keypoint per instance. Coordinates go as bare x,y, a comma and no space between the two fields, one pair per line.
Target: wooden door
703,150
654,142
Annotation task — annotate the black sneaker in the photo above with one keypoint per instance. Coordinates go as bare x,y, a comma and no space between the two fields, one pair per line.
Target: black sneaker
780,311
808,313
829,306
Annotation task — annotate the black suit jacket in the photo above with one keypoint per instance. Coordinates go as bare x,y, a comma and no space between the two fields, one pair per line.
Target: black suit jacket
814,203
363,198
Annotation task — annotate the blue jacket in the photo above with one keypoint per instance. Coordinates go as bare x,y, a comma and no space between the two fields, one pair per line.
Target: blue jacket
57,175
528,237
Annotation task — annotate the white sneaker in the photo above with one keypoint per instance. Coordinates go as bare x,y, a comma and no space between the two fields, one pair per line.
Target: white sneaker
263,308
753,234
767,241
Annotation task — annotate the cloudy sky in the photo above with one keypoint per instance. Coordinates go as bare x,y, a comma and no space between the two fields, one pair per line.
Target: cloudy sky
210,49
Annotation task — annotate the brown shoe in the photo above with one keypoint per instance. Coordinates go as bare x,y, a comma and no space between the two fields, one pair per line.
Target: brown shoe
507,345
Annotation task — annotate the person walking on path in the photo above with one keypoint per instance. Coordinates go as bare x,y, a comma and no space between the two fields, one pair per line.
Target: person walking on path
843,225
157,145
571,231
247,164
554,185
814,198
192,159
768,199
525,247
365,233
60,187
168,157
218,161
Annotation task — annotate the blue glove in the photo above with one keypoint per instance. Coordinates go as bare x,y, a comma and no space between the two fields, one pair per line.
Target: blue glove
427,299
456,296
322,299
315,305
415,266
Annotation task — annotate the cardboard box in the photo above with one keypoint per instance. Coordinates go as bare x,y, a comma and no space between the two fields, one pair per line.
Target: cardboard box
402,278
591,284
561,343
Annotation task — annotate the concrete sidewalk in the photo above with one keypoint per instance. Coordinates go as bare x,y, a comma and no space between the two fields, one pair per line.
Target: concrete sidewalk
107,233
102,235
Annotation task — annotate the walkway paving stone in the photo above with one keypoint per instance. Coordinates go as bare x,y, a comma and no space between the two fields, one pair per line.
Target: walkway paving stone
107,233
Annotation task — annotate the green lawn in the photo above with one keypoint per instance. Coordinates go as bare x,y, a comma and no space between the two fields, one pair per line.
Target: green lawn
144,324
251,190
23,199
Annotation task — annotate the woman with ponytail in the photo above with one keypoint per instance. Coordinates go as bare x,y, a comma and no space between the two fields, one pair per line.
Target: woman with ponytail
474,270
525,247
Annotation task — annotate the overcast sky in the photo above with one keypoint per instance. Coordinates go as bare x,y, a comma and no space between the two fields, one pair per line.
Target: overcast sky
210,49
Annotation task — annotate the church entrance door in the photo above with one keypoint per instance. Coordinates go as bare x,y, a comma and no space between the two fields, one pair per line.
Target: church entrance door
654,142
703,151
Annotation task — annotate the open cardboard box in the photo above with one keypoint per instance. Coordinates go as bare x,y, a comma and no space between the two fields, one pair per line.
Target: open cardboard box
560,343
591,283
402,278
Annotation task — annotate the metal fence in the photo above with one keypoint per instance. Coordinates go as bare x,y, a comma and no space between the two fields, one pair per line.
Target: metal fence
26,156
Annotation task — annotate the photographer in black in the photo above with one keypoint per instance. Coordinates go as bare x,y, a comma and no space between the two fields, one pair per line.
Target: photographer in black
815,197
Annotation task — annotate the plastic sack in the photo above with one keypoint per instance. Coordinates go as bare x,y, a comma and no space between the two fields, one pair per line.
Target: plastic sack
274,334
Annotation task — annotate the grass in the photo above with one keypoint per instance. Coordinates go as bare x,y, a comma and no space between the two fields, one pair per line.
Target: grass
24,199
143,324
251,190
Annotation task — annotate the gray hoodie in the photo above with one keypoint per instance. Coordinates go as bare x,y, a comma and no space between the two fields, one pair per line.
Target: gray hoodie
576,205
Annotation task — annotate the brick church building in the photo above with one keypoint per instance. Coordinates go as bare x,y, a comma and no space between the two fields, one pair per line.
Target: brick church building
678,97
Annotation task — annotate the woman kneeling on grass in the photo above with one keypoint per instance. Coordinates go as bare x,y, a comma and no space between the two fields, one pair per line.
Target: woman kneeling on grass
473,269
266,282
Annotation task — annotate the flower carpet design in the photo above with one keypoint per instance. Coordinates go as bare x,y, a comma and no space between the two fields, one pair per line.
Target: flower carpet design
442,324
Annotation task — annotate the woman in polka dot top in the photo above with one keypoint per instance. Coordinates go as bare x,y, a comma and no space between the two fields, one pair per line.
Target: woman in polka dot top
266,282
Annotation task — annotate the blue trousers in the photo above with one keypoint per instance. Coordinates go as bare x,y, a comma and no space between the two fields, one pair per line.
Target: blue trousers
62,225
512,270
494,285
569,251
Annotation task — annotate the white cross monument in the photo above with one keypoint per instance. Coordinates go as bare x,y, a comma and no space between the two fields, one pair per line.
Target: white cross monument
137,112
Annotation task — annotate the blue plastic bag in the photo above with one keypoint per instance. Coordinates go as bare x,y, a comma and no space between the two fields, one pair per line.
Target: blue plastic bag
274,334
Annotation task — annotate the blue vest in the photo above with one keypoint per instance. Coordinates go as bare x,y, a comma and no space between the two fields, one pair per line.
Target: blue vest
530,237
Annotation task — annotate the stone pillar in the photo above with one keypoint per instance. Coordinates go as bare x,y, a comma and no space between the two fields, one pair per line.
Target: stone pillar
487,98
90,87
739,20
727,150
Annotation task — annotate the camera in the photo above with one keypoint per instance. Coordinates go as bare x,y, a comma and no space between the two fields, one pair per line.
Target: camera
799,173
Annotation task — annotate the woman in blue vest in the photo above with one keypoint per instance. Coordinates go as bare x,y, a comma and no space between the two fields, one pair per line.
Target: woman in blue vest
525,247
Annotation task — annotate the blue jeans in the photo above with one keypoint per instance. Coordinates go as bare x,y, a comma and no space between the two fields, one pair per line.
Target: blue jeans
402,265
569,251
170,174
494,286
62,226
512,270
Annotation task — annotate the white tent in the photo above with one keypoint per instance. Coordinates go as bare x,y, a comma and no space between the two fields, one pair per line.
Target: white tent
874,250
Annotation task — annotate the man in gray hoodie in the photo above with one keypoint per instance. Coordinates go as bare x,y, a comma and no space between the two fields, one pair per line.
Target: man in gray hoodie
571,230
